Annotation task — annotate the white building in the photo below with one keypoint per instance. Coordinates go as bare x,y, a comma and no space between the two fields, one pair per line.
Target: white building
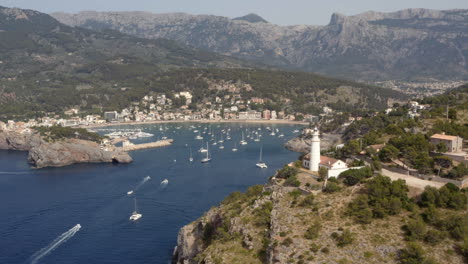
188,97
274,116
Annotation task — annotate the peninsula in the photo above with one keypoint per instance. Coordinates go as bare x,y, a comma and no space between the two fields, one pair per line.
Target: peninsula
58,147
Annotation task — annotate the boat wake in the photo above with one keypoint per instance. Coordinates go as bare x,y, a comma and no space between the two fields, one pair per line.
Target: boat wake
147,178
55,244
13,172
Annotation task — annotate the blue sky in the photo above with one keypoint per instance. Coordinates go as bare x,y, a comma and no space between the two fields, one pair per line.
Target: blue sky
282,12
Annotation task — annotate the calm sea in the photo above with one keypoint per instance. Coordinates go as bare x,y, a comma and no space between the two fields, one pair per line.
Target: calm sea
40,208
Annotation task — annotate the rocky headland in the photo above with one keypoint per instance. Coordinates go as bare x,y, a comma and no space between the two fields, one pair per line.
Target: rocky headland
59,153
276,223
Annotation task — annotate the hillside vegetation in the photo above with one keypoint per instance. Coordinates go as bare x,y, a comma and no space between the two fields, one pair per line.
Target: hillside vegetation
372,222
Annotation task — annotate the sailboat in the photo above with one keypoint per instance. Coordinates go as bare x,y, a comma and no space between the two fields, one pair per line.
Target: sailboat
207,159
202,149
191,157
235,147
258,138
243,142
135,215
214,141
260,163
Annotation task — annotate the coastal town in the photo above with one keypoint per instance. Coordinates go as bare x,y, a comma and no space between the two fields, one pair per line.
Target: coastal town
159,107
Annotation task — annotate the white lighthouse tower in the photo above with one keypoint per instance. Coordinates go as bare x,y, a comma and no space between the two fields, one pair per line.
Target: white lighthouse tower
315,151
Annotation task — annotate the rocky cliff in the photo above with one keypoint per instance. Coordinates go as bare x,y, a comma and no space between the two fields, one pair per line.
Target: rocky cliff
59,153
302,142
411,44
279,224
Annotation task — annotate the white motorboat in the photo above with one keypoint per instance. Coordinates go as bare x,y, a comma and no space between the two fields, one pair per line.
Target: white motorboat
130,192
208,158
260,163
135,215
164,182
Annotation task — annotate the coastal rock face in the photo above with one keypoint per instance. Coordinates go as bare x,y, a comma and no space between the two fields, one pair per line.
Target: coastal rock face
18,141
73,151
59,153
302,142
408,44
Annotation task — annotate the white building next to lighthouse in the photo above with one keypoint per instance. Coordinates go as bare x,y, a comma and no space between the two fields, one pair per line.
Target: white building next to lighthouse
314,161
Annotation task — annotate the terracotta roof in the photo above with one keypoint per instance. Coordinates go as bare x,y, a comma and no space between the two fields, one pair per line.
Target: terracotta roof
324,160
443,137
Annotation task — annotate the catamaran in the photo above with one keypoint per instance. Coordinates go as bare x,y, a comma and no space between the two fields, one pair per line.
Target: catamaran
135,215
207,159
260,163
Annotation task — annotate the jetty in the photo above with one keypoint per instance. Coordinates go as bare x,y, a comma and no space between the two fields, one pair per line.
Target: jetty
156,144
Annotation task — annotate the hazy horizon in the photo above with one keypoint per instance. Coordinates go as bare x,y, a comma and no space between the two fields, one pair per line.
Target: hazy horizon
311,12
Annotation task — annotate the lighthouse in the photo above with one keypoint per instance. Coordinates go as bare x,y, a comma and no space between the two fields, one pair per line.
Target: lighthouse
315,151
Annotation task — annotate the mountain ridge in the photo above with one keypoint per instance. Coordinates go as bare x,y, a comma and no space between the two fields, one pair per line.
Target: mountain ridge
411,44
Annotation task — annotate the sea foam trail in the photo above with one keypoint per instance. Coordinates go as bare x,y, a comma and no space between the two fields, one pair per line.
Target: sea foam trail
147,178
55,244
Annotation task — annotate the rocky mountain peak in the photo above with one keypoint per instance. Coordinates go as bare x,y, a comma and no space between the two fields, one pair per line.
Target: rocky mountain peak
337,19
252,18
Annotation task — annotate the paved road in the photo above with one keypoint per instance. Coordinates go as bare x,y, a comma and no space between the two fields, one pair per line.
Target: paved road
411,180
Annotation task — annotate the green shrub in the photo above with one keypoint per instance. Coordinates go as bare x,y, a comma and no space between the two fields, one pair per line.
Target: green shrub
308,200
415,229
413,254
313,231
287,242
287,172
332,187
352,177
292,181
344,239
